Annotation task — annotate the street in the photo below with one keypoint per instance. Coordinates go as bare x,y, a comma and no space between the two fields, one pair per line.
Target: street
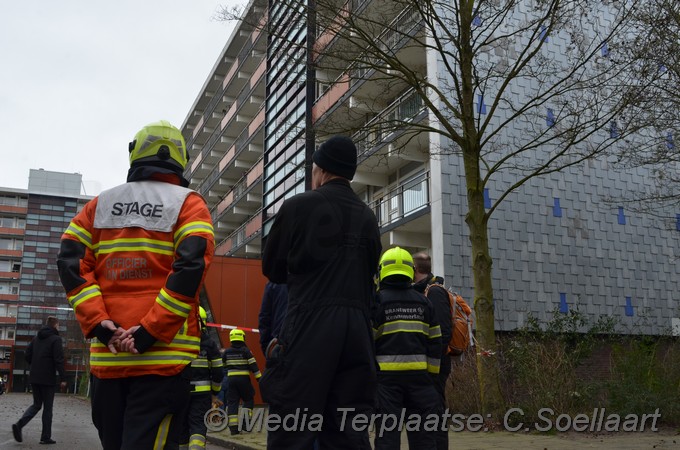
71,424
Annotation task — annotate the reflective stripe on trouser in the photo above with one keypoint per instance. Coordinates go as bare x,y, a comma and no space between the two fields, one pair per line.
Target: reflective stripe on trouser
194,422
196,442
139,412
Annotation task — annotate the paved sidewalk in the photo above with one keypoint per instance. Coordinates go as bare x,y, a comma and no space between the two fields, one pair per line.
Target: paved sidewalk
502,440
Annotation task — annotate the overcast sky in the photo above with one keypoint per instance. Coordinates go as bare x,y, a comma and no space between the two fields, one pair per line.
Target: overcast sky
78,79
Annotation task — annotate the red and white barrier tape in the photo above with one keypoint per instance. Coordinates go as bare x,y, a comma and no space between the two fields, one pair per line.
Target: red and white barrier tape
216,325
231,327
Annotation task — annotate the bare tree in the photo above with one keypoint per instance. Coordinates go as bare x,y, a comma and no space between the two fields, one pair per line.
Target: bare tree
656,47
516,89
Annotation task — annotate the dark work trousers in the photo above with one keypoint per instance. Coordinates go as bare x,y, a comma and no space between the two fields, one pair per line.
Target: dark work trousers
440,380
325,368
43,397
140,412
194,428
407,394
240,388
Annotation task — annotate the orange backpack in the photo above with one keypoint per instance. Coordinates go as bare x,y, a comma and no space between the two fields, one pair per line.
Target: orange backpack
461,321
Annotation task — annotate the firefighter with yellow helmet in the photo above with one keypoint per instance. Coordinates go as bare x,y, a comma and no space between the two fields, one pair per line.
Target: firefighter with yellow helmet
407,346
206,381
239,362
132,262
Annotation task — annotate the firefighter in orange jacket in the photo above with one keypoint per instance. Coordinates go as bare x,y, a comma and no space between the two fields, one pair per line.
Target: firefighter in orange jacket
206,381
132,262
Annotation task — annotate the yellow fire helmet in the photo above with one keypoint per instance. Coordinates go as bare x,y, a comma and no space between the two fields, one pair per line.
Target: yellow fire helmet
203,315
159,142
396,261
237,335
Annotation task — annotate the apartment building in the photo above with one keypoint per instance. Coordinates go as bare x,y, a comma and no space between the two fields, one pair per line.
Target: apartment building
31,224
558,245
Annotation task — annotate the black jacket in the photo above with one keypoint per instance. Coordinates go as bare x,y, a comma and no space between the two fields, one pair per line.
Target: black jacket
407,335
45,354
207,369
272,312
442,307
239,361
325,244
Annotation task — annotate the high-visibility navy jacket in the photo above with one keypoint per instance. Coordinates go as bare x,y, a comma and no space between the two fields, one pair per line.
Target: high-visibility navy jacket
137,255
207,369
407,335
238,361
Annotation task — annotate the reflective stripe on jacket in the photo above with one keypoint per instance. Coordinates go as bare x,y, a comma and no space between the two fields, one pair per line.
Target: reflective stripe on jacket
239,361
407,335
207,369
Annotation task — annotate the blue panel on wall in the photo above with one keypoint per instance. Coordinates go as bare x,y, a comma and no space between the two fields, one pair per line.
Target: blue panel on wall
677,222
669,141
481,107
605,49
557,211
550,117
564,308
629,307
622,216
544,33
613,129
477,21
487,199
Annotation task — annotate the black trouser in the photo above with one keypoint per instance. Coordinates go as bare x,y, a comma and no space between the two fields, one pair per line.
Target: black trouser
240,388
194,428
407,395
43,396
442,436
327,364
140,412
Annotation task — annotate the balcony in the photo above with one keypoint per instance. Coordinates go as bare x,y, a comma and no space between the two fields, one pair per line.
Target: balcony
243,241
403,201
405,109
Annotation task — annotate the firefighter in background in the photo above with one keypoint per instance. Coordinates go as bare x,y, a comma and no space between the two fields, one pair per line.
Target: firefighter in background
132,262
408,349
206,381
239,362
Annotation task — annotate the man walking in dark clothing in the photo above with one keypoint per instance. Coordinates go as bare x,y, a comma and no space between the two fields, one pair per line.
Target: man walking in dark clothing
272,313
325,244
422,263
45,354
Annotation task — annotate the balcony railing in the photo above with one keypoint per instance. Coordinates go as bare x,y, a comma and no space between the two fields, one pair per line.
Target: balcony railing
392,38
403,109
402,201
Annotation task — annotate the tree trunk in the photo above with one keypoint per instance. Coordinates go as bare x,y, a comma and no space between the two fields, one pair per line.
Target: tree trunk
487,361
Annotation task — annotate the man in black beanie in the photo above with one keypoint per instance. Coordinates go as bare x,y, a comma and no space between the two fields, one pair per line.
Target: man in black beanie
325,244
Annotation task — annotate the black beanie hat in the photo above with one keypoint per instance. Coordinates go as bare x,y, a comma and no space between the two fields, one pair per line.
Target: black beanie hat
338,155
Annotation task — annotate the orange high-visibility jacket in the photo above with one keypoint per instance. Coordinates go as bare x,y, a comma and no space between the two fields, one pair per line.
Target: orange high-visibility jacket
137,255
